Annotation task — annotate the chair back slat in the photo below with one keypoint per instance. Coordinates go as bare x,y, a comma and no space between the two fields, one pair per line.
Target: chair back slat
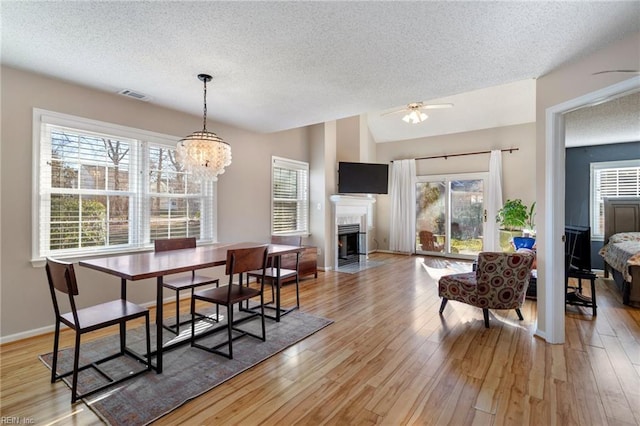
62,277
174,243
246,259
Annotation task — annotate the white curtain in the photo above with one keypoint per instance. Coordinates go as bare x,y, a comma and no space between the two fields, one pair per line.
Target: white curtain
402,235
494,203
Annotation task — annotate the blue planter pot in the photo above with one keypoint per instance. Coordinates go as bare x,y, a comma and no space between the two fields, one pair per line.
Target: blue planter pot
523,242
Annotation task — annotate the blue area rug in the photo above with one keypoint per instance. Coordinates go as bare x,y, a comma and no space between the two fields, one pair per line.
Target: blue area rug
188,372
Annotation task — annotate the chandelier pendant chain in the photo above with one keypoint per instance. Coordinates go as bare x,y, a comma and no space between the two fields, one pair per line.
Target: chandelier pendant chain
204,124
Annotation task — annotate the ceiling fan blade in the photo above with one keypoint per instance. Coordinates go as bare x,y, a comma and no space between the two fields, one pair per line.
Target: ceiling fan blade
623,71
394,112
436,106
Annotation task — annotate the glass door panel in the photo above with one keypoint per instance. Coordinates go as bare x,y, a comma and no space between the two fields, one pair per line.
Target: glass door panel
467,214
450,214
431,225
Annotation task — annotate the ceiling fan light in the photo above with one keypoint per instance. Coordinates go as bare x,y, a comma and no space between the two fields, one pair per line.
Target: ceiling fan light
415,117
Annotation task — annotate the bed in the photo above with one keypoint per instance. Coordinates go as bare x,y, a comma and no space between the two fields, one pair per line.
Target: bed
621,252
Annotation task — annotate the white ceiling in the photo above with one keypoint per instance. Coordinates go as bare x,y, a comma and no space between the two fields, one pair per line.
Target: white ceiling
281,65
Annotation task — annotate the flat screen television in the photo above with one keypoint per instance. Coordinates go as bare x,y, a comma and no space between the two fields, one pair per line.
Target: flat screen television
363,178
577,247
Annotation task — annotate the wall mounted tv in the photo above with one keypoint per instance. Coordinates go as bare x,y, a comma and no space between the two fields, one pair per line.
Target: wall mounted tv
363,178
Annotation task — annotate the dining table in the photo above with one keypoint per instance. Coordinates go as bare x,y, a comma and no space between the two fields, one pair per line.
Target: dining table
144,265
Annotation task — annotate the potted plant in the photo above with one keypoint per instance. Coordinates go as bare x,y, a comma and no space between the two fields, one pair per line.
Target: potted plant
516,216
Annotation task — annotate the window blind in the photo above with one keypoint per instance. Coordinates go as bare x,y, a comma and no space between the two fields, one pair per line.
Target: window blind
290,197
101,191
610,181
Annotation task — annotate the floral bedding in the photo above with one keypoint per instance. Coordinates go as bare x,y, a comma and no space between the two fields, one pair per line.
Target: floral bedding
622,252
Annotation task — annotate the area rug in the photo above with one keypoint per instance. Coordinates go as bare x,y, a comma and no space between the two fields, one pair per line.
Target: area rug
188,372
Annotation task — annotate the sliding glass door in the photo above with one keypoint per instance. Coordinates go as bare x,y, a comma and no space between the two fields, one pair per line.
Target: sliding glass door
450,214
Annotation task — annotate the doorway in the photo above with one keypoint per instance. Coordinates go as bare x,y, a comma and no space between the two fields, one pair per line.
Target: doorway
450,214
553,270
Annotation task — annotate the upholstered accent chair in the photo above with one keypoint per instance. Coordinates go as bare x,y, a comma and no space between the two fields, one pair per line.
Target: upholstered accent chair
499,282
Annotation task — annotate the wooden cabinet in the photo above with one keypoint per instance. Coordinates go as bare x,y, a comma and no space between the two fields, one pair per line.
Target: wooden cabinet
307,265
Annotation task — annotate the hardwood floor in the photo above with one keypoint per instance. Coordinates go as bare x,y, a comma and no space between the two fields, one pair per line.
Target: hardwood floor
390,358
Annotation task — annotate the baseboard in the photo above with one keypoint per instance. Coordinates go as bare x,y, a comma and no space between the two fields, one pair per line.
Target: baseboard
27,334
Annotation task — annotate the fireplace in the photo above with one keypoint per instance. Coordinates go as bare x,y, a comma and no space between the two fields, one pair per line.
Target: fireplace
351,222
348,244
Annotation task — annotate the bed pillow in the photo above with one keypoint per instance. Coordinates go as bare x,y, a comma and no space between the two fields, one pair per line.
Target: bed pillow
624,236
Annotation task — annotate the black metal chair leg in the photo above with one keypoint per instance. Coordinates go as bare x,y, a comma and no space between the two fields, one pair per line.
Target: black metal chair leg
443,304
593,296
56,341
193,320
520,317
76,361
177,312
230,328
485,313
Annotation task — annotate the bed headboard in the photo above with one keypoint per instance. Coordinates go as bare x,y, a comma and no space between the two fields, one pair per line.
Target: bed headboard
621,215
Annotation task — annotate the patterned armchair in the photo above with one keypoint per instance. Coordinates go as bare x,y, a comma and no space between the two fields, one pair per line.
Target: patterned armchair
499,282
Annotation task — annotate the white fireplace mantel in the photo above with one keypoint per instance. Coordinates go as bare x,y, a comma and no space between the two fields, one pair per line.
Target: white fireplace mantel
348,210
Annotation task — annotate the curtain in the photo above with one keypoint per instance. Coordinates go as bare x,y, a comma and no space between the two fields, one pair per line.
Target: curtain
494,203
402,235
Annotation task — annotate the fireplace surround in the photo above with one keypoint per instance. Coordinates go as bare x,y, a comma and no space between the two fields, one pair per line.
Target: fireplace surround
349,212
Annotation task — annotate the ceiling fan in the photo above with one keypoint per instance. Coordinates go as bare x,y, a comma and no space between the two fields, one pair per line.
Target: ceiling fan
621,71
413,111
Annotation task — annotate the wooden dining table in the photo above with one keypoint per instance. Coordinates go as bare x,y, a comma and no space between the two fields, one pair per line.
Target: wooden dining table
144,265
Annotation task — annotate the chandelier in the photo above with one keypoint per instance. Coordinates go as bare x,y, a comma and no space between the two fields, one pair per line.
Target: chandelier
204,154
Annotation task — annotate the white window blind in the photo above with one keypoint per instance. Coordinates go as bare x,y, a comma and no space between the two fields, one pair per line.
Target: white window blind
290,197
99,190
611,179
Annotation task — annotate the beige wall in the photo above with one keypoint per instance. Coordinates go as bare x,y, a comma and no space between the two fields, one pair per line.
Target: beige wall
348,139
244,189
564,84
518,168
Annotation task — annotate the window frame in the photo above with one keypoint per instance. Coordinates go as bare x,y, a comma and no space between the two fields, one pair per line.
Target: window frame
289,164
143,139
594,203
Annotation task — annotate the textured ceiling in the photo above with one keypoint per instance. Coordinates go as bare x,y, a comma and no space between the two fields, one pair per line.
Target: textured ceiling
617,120
280,65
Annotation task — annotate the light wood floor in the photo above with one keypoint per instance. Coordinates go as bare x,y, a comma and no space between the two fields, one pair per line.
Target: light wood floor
389,358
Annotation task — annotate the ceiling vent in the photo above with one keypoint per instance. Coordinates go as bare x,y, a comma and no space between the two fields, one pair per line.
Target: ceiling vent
134,95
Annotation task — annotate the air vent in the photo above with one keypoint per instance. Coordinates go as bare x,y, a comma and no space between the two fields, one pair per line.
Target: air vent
134,95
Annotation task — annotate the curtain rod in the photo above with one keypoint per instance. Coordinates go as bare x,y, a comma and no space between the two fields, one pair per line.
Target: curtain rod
509,150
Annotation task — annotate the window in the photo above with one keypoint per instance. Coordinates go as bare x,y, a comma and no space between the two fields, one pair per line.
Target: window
107,188
611,179
290,197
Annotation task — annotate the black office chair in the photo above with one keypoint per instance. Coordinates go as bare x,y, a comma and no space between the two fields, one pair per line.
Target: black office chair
62,278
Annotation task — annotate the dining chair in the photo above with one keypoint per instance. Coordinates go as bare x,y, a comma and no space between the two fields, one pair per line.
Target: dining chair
239,261
62,279
499,282
289,270
183,282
